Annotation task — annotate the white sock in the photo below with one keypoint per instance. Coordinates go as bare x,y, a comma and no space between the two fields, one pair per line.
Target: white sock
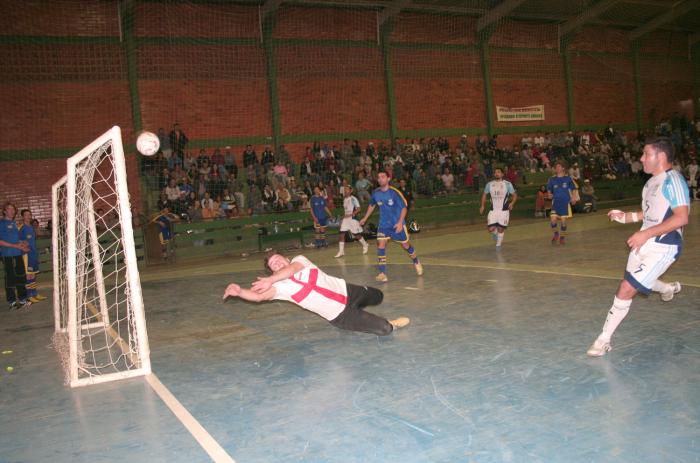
341,246
616,314
499,239
661,287
363,242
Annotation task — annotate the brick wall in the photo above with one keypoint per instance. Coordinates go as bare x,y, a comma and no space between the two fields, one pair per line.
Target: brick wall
31,182
61,95
525,79
602,90
331,90
437,89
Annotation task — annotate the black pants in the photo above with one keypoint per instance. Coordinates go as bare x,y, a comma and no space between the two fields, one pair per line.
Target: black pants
354,318
15,278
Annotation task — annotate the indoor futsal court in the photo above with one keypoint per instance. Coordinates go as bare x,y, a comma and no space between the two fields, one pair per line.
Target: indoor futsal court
153,153
492,368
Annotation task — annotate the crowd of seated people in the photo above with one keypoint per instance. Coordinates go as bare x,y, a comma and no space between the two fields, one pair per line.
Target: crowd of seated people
218,183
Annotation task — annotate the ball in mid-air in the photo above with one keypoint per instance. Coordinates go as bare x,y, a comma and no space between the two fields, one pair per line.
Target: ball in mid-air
147,143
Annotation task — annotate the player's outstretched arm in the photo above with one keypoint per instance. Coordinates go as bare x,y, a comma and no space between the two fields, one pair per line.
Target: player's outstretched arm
625,217
370,209
234,290
262,284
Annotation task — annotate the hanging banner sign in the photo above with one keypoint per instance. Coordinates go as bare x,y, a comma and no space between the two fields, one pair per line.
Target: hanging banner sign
528,113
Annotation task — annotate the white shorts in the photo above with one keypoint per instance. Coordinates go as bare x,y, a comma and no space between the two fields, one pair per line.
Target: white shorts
351,224
646,265
498,218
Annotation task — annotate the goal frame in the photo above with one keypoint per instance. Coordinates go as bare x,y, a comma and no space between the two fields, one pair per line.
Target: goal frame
70,323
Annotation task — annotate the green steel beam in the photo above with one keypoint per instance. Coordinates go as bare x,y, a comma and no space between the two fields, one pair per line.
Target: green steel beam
310,137
433,46
695,64
56,39
326,42
488,93
131,62
184,40
536,51
441,132
637,87
569,89
268,26
495,14
384,35
529,128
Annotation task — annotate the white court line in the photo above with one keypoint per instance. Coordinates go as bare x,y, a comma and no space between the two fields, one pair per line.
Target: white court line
215,451
548,272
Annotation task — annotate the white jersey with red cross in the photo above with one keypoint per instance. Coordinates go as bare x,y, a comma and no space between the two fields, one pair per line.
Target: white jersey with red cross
313,290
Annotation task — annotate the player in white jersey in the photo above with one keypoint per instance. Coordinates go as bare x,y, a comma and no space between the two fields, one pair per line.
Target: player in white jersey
692,173
503,198
351,208
665,208
301,282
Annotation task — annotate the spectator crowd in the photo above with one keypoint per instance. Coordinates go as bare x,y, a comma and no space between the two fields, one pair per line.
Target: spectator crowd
218,183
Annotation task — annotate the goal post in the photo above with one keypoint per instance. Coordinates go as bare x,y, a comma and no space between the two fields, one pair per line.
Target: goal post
100,327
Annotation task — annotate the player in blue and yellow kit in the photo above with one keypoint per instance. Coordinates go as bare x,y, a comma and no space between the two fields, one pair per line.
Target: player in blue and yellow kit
561,189
11,250
31,258
164,222
392,222
320,213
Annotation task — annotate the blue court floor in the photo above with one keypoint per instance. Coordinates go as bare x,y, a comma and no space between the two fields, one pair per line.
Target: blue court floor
492,367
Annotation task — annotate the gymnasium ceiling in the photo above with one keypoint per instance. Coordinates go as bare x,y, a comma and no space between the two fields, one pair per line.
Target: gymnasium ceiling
637,16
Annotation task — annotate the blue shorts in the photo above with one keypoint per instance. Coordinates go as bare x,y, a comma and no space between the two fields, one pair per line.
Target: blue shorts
322,221
390,234
561,208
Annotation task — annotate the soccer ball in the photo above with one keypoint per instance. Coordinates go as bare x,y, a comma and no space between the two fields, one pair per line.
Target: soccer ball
147,143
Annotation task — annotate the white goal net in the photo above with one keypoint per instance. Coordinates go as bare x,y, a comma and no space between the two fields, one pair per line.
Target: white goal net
100,330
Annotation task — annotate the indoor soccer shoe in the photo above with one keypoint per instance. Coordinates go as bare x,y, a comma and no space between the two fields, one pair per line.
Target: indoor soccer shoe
562,240
382,277
34,300
675,288
40,297
555,238
419,268
340,254
400,322
599,348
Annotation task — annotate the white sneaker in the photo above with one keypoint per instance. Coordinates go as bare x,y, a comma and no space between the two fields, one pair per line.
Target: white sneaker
675,288
365,248
340,254
382,277
599,348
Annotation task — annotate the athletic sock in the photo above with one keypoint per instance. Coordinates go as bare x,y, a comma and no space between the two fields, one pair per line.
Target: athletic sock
412,254
563,229
661,287
499,241
616,314
341,246
363,242
381,258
